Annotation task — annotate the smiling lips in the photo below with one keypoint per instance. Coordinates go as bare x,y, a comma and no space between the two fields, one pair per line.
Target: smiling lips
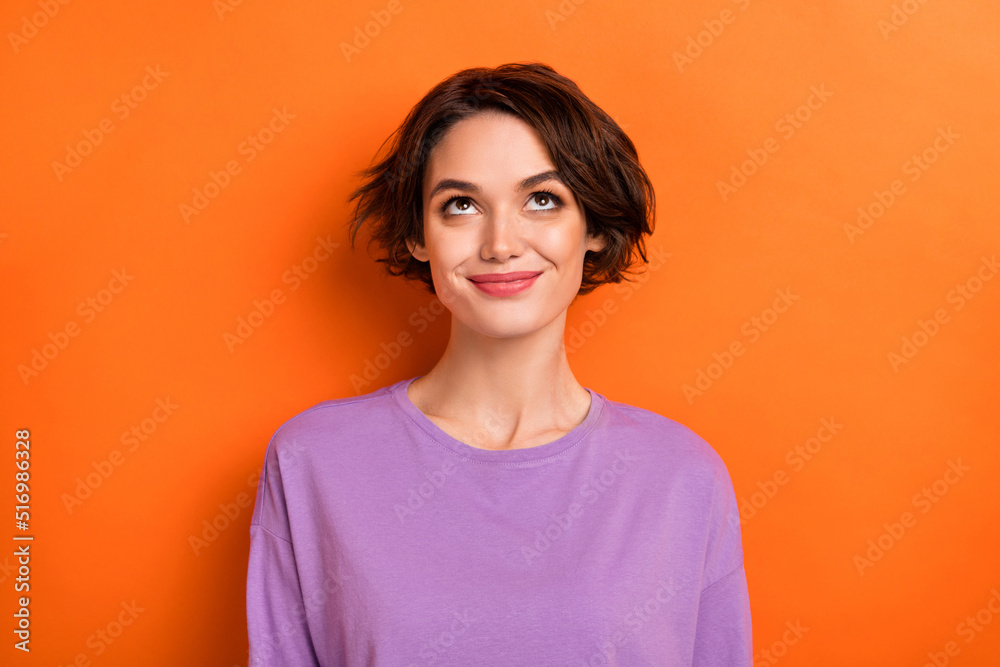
504,284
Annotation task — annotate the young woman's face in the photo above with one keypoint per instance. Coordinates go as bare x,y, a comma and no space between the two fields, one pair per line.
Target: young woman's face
487,210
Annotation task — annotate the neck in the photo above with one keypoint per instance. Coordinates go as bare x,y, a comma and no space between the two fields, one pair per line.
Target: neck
521,381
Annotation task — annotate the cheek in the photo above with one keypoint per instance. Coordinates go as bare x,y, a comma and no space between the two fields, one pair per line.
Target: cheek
444,262
562,246
451,255
451,248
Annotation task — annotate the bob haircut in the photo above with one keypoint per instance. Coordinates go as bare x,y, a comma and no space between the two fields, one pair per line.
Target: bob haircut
593,156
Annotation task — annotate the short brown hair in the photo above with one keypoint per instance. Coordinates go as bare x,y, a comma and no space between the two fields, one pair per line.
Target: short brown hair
593,156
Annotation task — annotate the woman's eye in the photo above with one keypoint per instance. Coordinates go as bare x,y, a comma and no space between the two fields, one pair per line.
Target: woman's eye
539,201
458,206
546,201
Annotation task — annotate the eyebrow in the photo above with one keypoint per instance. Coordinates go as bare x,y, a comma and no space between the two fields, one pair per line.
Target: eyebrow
465,186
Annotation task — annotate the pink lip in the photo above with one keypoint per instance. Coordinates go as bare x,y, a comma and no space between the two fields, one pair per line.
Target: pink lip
502,277
504,284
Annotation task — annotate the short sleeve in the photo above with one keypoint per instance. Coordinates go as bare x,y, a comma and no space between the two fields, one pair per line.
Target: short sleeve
276,616
723,634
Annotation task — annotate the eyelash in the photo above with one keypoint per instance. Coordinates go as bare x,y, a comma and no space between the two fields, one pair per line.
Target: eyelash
551,195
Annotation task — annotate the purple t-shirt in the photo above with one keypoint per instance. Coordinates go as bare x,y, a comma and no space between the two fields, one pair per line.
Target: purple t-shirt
379,540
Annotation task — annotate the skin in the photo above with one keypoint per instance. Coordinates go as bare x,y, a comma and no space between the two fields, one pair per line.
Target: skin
504,381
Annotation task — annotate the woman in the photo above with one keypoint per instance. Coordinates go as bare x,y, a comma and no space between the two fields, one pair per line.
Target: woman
494,511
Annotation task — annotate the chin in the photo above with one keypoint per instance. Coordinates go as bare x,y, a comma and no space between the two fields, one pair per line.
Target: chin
501,327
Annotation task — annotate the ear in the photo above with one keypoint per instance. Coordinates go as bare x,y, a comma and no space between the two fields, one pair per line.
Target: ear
597,243
418,251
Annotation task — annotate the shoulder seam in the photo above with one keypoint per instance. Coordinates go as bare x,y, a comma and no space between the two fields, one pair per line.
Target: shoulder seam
347,400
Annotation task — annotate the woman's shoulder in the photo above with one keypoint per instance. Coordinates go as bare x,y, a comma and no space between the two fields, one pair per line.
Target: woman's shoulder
340,415
662,436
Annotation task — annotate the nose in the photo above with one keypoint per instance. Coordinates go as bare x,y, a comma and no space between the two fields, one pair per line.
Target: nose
502,236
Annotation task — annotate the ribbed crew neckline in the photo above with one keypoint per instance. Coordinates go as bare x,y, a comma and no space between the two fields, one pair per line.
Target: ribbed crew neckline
538,453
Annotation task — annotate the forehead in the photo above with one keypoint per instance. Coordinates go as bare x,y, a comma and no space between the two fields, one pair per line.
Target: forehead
489,147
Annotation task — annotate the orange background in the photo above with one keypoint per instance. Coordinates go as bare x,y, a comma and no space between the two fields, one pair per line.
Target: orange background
889,89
